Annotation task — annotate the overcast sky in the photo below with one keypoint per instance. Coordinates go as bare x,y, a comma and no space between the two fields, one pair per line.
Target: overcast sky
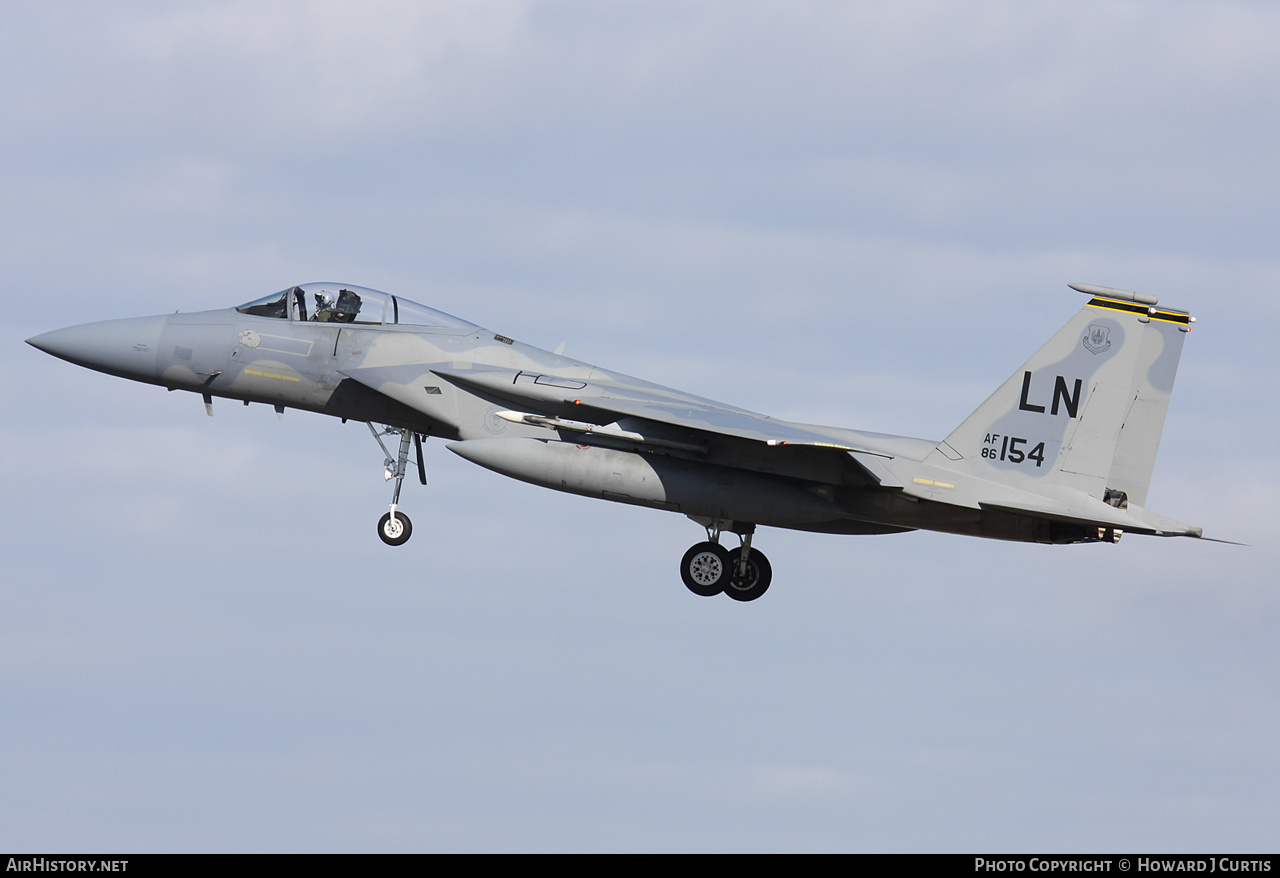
855,214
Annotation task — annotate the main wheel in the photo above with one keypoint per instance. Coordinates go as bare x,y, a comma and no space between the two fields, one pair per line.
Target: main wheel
395,533
705,569
756,581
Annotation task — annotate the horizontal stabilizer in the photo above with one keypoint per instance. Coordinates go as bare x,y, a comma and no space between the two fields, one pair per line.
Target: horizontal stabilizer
1097,514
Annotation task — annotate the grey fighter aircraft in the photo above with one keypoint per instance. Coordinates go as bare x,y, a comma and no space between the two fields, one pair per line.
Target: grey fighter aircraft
1062,452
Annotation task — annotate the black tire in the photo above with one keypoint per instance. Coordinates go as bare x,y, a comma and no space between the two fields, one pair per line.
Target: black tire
397,534
705,569
755,582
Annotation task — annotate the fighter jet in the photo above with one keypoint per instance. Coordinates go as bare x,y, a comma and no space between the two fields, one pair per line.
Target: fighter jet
1061,452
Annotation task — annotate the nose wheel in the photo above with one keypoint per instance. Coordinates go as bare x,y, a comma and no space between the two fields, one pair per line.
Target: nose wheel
709,569
394,528
395,531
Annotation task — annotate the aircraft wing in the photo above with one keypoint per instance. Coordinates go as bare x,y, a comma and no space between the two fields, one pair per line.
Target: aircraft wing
590,402
603,402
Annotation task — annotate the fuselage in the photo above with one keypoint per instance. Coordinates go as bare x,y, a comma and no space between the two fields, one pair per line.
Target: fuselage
535,415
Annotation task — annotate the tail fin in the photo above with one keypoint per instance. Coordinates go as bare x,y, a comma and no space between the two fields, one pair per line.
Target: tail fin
1086,411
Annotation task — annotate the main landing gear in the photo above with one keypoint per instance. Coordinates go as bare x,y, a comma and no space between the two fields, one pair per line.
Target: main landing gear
709,569
394,527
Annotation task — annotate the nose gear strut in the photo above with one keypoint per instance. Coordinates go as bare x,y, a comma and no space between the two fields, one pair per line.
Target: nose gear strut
395,527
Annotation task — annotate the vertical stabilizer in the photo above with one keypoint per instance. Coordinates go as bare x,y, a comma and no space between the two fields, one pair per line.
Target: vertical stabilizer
1086,411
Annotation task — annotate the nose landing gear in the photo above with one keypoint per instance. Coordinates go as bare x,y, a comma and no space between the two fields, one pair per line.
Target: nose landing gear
395,531
395,528
743,573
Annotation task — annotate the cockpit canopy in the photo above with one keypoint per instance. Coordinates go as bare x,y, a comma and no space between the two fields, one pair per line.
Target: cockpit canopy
344,303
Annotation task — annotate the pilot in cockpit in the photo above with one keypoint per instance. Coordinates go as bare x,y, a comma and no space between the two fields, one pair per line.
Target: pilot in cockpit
324,308
344,310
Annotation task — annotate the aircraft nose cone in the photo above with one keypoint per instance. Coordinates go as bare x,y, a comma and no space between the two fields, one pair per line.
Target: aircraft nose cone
118,347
